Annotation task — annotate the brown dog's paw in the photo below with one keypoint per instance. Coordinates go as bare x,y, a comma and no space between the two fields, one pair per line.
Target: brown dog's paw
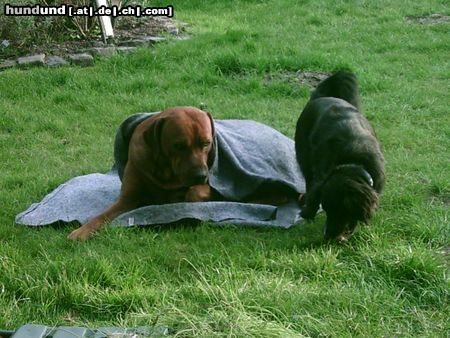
82,233
198,193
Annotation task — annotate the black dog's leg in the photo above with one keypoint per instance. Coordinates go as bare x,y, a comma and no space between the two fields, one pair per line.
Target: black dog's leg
307,174
313,198
352,227
308,179
333,228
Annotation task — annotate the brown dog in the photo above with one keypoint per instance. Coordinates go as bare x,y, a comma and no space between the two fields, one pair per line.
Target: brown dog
169,157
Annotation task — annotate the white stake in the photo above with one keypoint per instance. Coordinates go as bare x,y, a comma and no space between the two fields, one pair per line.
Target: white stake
105,22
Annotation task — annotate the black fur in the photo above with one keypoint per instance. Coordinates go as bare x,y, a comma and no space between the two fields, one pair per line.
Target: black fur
339,155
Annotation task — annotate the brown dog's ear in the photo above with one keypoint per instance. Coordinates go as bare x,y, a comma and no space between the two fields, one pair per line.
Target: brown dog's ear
212,151
152,137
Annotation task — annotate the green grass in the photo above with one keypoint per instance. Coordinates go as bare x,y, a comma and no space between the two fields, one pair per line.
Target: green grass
389,280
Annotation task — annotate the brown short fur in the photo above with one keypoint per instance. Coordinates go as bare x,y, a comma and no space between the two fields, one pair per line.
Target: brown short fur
169,157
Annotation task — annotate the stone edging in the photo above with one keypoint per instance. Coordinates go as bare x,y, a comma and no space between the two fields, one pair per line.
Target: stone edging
84,58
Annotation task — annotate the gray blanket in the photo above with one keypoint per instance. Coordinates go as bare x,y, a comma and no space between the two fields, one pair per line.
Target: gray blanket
249,156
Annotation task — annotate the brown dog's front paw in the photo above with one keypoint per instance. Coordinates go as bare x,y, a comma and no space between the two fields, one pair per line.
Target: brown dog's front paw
82,233
198,193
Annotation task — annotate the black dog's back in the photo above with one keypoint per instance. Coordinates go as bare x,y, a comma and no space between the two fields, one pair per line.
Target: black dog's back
342,85
335,98
340,91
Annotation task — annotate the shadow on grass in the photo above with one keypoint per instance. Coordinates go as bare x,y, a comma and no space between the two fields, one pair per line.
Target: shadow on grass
307,235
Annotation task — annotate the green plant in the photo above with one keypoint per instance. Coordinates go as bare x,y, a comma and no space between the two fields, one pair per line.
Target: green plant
26,31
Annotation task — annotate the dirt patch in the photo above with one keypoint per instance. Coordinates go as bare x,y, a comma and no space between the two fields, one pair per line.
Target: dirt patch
309,78
431,19
439,196
442,199
130,27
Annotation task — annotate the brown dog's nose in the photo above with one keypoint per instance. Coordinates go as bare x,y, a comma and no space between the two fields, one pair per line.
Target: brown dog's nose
200,177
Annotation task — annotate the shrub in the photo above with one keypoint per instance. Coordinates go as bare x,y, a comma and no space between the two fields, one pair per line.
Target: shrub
26,31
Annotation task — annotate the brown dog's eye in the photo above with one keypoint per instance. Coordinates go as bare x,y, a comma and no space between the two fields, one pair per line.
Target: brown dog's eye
205,144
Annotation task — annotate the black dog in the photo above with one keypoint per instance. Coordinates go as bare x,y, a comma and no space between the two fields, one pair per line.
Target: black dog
340,157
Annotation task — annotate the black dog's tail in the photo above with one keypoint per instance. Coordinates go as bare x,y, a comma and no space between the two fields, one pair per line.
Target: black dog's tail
342,84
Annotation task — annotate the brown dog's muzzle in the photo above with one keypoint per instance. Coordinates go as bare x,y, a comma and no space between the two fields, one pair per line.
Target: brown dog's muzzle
199,176
192,169
195,171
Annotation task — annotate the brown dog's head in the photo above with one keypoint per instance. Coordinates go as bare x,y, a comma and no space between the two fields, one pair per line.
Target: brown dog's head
347,198
182,142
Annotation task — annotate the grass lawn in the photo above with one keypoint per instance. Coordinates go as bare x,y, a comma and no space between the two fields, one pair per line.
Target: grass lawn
388,280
